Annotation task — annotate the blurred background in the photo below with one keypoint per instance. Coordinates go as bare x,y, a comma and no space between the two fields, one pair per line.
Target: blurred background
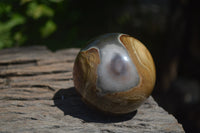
169,29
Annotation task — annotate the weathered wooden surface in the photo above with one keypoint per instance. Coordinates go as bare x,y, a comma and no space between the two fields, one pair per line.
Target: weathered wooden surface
37,95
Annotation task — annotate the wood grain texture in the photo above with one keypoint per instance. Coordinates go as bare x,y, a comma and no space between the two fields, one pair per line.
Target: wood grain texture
37,95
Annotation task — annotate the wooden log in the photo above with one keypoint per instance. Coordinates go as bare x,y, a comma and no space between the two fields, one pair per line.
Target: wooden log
37,95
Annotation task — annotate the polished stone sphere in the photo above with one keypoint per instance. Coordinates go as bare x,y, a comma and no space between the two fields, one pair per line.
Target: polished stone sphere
114,73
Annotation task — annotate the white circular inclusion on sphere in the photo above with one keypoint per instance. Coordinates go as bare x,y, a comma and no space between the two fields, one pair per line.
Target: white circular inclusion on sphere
116,71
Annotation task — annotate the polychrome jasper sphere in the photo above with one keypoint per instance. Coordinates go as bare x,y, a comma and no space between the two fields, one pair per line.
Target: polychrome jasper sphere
114,73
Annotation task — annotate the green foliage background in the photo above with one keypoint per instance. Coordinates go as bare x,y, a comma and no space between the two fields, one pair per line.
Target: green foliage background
71,23
26,21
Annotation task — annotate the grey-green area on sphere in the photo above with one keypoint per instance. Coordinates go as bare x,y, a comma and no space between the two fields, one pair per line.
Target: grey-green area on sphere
116,71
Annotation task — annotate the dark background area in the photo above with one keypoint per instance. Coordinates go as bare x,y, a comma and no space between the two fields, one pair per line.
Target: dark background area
169,29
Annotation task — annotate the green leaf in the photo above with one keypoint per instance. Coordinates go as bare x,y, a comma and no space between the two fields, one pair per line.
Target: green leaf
15,20
5,40
4,8
37,11
48,28
19,38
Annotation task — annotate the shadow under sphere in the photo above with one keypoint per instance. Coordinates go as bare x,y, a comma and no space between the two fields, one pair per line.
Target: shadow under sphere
71,104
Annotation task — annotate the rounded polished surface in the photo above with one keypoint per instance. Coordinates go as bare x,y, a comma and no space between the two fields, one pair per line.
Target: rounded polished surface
114,73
